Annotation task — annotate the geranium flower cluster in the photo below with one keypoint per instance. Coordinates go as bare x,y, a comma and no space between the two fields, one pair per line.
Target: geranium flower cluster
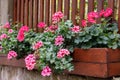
59,40
41,25
7,25
57,16
91,17
11,54
3,36
21,32
75,29
30,61
46,71
62,53
37,45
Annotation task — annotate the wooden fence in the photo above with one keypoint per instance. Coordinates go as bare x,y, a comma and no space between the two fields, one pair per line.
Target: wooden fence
30,12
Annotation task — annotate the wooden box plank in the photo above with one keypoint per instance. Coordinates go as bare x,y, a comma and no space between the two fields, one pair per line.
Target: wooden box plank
13,62
90,69
114,69
90,55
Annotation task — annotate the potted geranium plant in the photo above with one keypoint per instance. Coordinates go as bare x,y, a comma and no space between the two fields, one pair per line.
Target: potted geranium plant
50,50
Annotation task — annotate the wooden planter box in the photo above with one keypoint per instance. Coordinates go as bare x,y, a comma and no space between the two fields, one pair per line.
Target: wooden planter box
97,62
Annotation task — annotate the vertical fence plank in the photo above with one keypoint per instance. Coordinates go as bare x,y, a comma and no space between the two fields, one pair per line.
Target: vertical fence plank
47,10
18,10
119,17
15,11
100,6
41,13
111,5
81,10
74,11
26,13
90,5
60,5
53,9
30,14
35,14
66,8
22,12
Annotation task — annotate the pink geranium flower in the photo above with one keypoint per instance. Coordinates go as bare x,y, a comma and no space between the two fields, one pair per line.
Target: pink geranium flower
84,23
21,32
57,16
20,36
62,52
75,29
7,25
11,54
24,29
91,17
59,40
37,45
10,31
108,12
46,71
30,62
41,25
3,36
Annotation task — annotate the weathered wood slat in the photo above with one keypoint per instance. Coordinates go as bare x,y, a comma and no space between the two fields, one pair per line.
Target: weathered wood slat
30,14
41,11
60,5
47,11
15,11
18,12
26,12
35,14
66,8
90,5
74,11
81,10
22,12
